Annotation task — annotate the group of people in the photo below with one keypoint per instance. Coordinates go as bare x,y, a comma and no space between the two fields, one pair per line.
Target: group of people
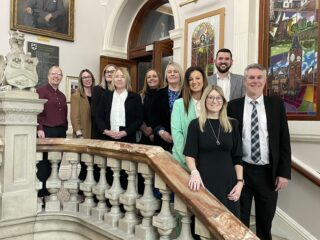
232,139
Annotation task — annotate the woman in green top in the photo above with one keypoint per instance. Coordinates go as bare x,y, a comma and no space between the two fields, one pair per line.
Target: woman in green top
186,109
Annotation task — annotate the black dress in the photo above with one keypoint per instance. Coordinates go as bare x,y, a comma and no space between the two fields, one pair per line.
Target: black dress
97,92
216,162
147,113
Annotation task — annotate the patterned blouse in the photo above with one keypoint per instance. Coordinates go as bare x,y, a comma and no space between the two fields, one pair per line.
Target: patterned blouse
173,95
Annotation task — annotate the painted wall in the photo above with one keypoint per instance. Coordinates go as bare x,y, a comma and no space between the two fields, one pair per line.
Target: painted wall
300,202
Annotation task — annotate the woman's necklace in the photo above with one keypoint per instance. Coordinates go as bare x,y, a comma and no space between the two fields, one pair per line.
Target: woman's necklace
214,133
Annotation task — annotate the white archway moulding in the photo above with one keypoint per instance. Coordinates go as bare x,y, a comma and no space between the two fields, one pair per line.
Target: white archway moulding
119,24
243,31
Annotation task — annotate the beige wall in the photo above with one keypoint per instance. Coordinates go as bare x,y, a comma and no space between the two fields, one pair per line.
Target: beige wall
301,201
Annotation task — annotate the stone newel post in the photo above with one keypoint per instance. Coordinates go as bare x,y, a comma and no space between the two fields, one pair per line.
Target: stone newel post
18,123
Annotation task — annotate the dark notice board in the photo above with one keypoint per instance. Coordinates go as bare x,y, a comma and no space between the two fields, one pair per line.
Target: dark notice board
47,56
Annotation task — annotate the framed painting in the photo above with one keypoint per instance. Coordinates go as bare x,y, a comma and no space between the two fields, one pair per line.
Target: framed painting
71,86
203,36
53,18
290,52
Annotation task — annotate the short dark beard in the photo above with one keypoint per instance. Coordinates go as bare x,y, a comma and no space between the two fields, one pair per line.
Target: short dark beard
222,70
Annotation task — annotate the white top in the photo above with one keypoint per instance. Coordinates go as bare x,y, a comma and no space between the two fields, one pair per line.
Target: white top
196,106
263,131
224,83
118,112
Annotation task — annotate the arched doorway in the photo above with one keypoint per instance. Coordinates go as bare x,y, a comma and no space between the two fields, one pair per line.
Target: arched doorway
148,43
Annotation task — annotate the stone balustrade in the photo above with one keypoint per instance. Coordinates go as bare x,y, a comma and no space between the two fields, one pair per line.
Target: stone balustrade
123,212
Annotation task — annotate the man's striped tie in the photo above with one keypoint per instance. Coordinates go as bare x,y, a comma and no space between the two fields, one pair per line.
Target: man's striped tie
255,141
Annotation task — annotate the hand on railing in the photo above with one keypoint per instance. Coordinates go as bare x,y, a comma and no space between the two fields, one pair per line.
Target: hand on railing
41,134
195,181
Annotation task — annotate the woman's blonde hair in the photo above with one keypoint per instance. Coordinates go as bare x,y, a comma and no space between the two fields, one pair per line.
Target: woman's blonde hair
126,77
223,118
146,88
103,82
178,68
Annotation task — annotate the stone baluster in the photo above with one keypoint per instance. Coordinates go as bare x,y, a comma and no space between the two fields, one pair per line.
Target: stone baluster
128,199
202,231
53,183
72,205
147,205
165,222
113,194
38,184
99,190
182,209
86,207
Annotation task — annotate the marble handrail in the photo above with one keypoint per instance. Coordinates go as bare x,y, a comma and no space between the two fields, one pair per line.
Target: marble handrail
219,221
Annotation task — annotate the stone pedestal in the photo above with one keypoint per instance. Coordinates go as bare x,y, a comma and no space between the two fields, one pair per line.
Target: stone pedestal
18,120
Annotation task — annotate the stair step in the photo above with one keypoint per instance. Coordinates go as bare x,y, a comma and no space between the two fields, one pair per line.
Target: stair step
253,228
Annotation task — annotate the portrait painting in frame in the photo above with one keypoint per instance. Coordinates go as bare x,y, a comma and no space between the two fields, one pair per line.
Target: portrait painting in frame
50,18
204,35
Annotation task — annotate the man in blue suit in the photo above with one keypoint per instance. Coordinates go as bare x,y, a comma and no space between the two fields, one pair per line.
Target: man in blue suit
231,84
266,149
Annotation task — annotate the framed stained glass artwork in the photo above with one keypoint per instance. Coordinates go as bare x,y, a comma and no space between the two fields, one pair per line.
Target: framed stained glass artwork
204,35
291,43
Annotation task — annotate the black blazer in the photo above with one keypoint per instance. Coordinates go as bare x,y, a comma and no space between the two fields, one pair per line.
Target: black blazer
278,131
134,115
97,92
161,117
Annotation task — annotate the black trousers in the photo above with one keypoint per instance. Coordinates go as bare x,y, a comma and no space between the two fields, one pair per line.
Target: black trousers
44,166
258,185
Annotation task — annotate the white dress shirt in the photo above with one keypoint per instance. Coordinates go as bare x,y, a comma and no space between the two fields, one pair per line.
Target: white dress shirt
118,112
225,84
196,106
263,131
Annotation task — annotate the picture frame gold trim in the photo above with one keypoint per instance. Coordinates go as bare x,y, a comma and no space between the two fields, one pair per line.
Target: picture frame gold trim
17,23
219,13
71,86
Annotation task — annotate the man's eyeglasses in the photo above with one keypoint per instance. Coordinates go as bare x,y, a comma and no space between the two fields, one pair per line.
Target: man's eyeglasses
56,74
212,98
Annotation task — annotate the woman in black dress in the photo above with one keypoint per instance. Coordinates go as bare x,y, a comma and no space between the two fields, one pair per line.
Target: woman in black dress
152,82
213,151
162,106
